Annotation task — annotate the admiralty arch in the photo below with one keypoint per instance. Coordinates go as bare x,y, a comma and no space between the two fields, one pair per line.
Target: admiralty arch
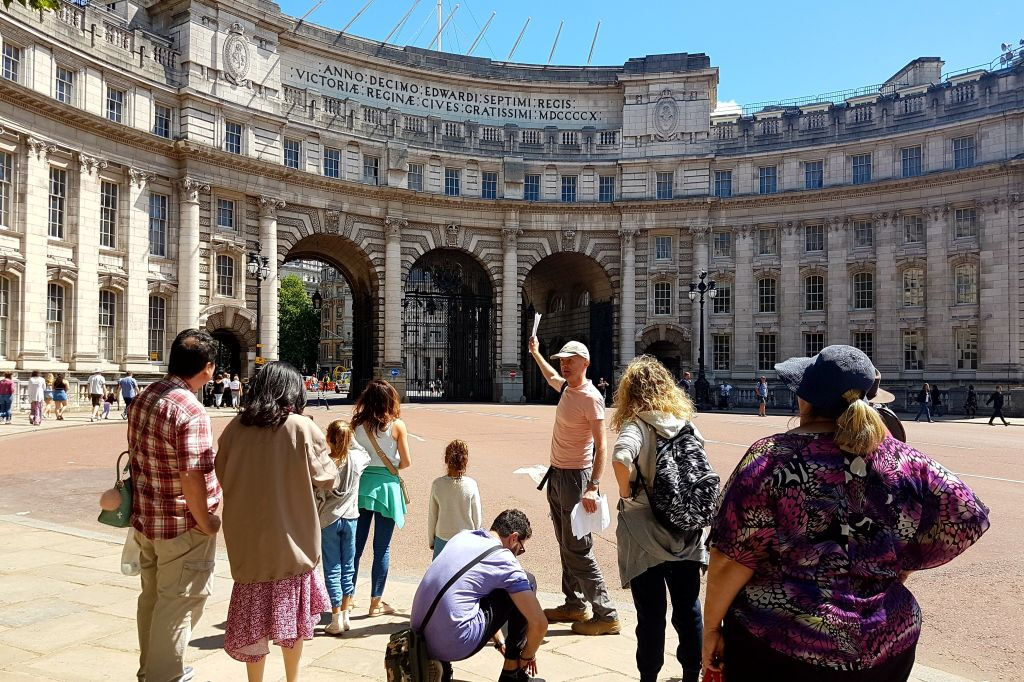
146,149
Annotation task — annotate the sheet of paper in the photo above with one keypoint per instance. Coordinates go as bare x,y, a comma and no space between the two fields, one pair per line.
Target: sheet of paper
535,472
536,323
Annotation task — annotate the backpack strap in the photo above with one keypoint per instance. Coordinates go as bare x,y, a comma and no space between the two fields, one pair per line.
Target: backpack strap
454,578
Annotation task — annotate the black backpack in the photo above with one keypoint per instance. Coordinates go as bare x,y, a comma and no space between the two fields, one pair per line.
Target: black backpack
684,492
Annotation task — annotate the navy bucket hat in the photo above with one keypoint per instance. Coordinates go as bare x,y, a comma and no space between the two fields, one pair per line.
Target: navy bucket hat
823,379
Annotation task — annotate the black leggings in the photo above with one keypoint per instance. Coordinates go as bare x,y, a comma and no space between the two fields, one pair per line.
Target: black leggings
750,659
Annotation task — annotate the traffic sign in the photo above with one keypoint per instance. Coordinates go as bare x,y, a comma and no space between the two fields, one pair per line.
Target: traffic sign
394,372
512,374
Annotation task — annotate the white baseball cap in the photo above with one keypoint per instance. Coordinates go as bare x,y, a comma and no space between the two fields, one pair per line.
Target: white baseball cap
572,348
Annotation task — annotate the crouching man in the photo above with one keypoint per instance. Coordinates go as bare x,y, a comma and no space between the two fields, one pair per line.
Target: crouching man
492,592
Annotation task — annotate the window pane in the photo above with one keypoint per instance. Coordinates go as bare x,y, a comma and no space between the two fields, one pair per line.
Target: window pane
766,295
966,283
108,215
162,121
965,221
55,321
861,168
489,186
814,175
913,229
225,276
814,238
863,234
11,62
662,247
913,351
663,183
233,138
6,179
292,153
865,342
157,327
721,354
64,87
107,325
814,293
531,188
332,164
722,245
913,287
767,180
967,348
115,105
225,214
158,225
766,355
767,241
963,152
813,343
5,314
723,184
451,182
58,199
569,188
722,302
863,291
416,176
606,191
371,170
910,160
662,298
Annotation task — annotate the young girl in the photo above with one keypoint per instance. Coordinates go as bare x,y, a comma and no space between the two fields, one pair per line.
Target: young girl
454,499
339,513
109,400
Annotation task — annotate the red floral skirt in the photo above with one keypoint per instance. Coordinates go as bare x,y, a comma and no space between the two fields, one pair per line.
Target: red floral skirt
279,611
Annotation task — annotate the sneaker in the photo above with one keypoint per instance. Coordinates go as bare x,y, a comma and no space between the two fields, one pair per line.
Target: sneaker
345,620
335,627
597,626
566,614
517,676
187,674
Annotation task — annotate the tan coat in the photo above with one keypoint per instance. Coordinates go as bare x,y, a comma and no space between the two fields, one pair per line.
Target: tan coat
270,521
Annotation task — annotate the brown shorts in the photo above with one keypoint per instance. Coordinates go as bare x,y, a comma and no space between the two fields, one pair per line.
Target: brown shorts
97,399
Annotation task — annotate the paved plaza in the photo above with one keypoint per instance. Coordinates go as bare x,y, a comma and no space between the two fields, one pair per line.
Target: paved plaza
66,613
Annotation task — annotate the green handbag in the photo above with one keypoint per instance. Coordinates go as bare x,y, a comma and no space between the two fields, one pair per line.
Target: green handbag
122,516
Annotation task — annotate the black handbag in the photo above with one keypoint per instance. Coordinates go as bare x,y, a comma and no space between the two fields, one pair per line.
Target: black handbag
405,658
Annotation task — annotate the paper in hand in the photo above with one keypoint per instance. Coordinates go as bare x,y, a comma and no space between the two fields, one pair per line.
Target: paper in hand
536,323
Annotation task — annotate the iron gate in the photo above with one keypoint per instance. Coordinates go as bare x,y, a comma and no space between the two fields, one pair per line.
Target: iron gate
590,325
447,329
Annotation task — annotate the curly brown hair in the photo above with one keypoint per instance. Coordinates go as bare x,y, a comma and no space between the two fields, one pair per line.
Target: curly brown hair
377,406
456,457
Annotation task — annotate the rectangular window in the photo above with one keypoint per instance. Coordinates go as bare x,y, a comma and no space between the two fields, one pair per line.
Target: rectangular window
965,278
225,214
416,176
863,291
158,225
11,62
489,185
5,314
722,245
64,86
662,247
814,238
766,353
371,170
723,184
863,234
861,168
913,288
722,302
913,351
332,163
225,276
864,342
162,121
452,177
663,185
58,202
5,189
662,298
767,241
910,161
108,215
233,138
767,180
813,343
965,221
814,175
108,325
115,104
814,293
913,229
963,152
606,188
292,152
766,289
55,321
721,352
531,188
157,327
967,348
569,183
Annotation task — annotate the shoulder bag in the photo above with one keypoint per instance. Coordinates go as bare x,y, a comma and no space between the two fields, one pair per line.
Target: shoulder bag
122,515
387,462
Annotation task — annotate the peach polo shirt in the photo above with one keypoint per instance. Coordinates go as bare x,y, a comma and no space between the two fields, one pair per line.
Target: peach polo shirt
572,439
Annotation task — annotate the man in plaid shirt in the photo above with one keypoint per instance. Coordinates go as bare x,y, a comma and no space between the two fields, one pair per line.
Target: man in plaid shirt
176,493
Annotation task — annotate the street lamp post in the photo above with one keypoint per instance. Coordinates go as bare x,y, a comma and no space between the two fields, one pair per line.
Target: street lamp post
701,288
258,267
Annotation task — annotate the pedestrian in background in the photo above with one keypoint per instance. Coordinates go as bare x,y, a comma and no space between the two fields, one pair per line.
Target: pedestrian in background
218,390
339,515
971,403
321,393
996,400
6,398
236,391
924,399
108,400
816,535
380,430
937,405
270,462
724,392
129,389
650,409
97,391
48,406
761,391
454,499
602,386
60,396
229,395
36,393
685,384
176,495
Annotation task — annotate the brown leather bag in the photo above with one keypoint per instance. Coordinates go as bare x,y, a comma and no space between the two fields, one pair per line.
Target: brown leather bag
387,462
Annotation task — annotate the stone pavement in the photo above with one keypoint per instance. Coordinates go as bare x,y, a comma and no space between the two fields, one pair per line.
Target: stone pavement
66,613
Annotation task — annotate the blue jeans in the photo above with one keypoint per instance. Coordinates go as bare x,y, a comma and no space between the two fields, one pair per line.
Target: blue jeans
438,545
5,406
383,529
338,542
926,410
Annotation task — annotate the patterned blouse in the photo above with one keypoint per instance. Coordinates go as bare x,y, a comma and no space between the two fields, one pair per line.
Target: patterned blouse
828,534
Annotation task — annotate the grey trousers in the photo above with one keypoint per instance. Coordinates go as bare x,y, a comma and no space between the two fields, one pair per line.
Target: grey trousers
581,576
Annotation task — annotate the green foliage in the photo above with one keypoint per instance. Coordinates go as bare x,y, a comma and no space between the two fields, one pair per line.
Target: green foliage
44,5
299,325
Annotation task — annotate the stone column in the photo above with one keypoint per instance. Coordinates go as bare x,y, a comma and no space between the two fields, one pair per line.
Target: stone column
791,299
393,227
33,318
938,347
627,305
998,339
188,252
888,290
269,335
744,352
85,345
510,388
699,236
137,257
838,287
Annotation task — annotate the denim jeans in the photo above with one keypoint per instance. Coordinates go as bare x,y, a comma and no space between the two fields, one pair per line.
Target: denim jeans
926,410
383,528
683,581
338,542
5,406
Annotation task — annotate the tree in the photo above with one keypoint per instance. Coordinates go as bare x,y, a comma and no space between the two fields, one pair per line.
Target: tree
299,325
44,5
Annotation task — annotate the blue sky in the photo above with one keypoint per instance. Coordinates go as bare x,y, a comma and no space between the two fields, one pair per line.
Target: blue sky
764,50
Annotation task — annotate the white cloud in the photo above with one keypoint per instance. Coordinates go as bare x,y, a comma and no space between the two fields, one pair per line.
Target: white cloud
727,108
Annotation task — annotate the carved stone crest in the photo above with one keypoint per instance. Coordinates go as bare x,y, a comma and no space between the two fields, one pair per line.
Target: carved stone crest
236,56
569,239
666,116
451,234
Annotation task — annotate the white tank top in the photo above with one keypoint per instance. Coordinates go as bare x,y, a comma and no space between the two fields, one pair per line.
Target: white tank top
388,445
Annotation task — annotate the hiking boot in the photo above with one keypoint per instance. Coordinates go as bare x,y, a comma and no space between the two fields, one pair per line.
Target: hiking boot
566,614
597,626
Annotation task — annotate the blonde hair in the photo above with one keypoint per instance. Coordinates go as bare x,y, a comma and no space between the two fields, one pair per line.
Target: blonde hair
339,437
647,386
456,457
859,429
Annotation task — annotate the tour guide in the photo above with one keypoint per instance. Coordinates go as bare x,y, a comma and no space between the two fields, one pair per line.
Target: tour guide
578,454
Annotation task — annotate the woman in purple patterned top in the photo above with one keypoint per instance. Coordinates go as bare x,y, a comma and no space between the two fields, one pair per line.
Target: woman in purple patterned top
819,528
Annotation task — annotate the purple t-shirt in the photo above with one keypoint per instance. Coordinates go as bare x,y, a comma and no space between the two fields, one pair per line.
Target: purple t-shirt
457,626
828,534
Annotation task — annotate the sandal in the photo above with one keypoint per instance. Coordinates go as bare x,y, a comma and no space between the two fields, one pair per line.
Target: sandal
381,609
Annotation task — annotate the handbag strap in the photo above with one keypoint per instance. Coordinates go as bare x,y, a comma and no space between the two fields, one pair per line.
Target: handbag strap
380,453
119,471
454,578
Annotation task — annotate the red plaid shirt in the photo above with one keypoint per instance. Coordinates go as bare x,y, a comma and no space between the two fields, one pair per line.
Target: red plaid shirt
168,433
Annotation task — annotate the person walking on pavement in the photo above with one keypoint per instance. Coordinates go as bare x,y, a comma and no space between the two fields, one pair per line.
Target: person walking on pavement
236,391
761,391
48,407
937,401
218,391
971,403
321,393
578,457
229,396
924,398
724,391
602,386
685,383
36,393
6,398
129,389
176,495
996,400
97,391
60,396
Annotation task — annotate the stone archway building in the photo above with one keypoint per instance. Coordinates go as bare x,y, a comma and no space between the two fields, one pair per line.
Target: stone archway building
138,168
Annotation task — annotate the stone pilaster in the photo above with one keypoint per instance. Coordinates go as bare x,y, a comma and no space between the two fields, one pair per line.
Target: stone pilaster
188,251
37,181
700,236
137,259
938,347
85,344
744,351
791,298
838,285
393,227
269,207
510,389
888,290
627,305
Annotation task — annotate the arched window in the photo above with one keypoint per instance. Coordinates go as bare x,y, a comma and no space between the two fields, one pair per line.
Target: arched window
766,290
584,300
556,304
966,281
5,314
226,276
157,327
55,320
863,291
108,325
913,287
814,292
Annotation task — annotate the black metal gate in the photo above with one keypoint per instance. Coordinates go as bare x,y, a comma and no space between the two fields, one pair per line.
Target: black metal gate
447,329
590,325
229,352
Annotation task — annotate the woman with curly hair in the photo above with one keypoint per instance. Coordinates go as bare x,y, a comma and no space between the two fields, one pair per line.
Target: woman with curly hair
454,499
650,410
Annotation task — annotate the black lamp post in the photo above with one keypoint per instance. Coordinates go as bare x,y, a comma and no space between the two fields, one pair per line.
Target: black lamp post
258,267
702,288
